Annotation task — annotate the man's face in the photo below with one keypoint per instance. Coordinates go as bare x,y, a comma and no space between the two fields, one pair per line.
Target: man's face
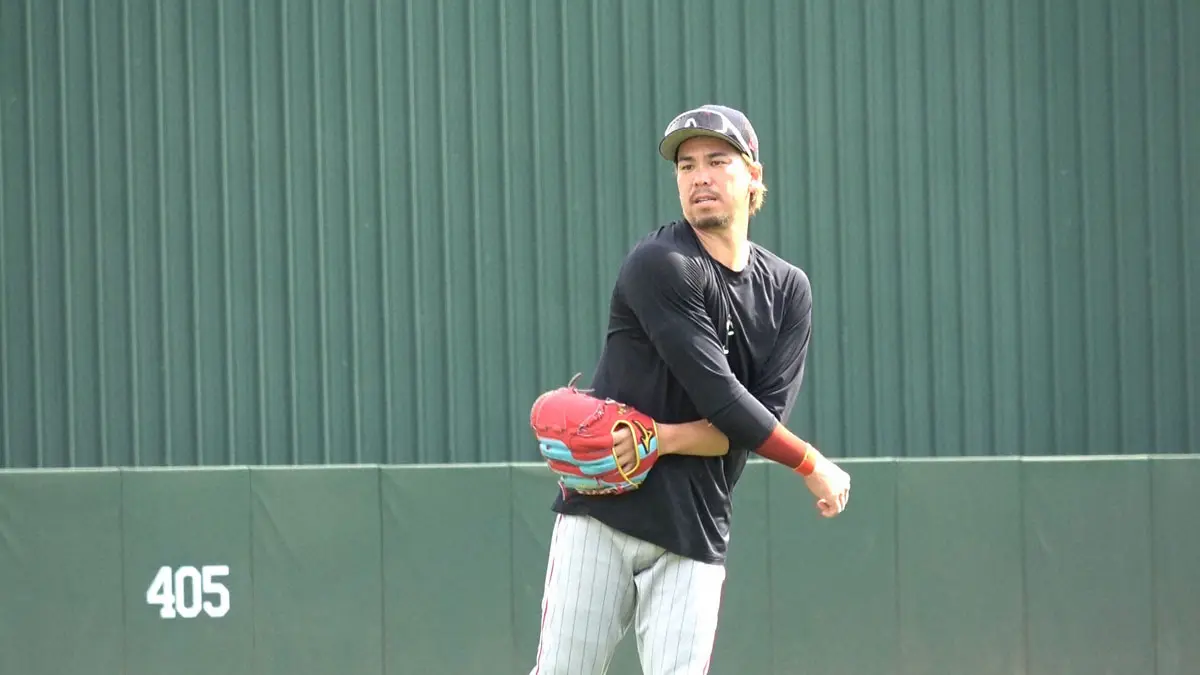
714,182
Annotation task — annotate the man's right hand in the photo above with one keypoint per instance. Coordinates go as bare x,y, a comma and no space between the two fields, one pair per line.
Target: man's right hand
830,485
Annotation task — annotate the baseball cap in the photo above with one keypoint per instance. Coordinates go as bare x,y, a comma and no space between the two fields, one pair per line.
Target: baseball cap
709,120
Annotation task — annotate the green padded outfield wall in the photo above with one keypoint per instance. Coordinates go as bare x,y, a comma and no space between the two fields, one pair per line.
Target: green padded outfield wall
1051,566
374,230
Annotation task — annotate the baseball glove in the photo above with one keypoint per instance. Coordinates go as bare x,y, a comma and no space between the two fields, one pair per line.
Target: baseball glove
574,431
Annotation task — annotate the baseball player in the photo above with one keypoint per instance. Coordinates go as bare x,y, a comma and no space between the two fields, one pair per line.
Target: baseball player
705,353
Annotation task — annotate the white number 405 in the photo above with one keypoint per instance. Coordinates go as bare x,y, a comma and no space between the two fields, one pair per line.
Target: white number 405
181,592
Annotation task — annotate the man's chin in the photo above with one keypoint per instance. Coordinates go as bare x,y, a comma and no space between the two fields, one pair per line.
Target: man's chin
710,222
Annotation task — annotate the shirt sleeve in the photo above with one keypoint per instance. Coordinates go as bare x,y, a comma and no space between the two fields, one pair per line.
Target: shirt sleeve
783,372
665,291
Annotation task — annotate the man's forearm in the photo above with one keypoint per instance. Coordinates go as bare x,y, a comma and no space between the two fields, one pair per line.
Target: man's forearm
790,450
692,438
702,439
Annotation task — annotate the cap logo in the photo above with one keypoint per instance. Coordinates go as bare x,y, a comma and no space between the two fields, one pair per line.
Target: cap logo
724,126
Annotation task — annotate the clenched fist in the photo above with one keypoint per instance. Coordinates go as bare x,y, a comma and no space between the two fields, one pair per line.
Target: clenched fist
830,485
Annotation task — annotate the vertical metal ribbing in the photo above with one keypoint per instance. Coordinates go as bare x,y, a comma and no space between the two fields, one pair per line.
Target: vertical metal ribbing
447,300
1046,209
1152,442
34,239
656,23
478,441
959,442
629,207
384,244
680,24
872,391
927,218
597,148
875,396
955,388
226,249
293,441
414,246
319,194
137,182
164,326
64,195
1084,231
627,111
5,422
260,350
351,230
1024,268
902,143
510,283
988,240
810,43
193,228
1116,231
534,170
836,208
989,360
566,259
130,245
101,354
1055,258
1185,208
747,36
1112,236
897,241
1015,205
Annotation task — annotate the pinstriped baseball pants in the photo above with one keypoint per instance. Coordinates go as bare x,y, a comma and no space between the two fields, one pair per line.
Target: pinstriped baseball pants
600,582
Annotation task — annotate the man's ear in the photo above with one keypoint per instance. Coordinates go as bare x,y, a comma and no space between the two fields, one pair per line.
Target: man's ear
756,174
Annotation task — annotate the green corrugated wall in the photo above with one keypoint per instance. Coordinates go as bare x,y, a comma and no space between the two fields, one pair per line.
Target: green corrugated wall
372,231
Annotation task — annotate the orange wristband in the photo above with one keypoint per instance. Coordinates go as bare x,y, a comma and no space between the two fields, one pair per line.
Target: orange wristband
786,448
808,464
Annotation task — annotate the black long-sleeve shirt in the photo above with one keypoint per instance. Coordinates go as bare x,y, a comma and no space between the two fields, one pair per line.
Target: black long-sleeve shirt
690,339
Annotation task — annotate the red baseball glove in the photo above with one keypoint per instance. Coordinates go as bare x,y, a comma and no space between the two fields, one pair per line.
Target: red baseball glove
575,436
